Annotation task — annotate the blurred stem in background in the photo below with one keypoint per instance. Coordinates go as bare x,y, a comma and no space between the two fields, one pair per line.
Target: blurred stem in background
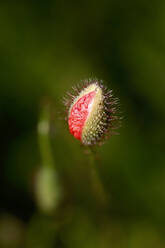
47,187
43,137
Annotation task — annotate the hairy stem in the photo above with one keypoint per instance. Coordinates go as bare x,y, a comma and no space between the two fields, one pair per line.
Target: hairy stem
96,184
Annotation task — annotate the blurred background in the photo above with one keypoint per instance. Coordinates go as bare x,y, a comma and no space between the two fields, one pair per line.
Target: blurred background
49,195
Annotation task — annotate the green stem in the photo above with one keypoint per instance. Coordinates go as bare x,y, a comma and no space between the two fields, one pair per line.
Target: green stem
96,184
47,186
44,139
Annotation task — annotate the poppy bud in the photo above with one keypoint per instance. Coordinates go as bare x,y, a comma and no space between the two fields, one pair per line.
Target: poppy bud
92,113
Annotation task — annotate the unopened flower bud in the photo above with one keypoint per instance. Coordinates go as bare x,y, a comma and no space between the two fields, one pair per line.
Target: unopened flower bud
92,113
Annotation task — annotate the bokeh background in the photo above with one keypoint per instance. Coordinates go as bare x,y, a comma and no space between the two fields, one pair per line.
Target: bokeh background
49,195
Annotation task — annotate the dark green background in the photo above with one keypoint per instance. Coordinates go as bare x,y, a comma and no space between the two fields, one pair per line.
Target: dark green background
46,47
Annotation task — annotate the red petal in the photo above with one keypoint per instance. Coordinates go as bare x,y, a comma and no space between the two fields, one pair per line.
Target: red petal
79,114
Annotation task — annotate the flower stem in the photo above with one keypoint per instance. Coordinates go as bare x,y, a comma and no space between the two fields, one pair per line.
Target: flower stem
96,184
43,137
47,187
